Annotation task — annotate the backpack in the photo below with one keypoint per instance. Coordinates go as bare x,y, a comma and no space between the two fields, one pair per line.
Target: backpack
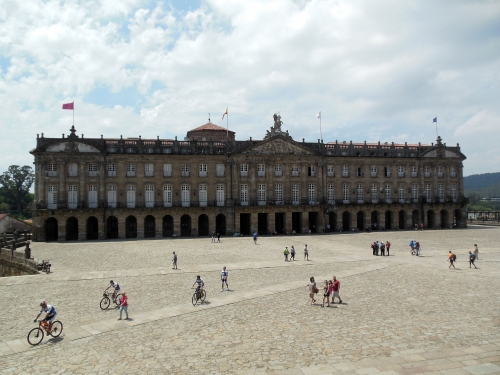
454,257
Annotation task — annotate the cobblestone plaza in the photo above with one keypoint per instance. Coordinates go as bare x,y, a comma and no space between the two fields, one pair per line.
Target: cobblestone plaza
401,314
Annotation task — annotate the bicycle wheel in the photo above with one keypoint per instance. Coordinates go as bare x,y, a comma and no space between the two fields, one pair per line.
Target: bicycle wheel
194,299
117,300
203,296
57,328
105,303
35,336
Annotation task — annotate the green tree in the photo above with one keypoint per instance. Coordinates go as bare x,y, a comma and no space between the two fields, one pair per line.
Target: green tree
474,198
16,183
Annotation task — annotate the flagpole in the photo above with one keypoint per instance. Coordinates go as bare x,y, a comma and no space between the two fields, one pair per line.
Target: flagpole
320,132
73,113
227,123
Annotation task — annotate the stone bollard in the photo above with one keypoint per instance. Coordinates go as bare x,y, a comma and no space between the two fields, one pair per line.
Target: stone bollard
27,251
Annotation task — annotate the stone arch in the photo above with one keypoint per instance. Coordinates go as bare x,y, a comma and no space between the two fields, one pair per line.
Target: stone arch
445,220
346,221
415,218
431,219
220,224
185,226
111,227
149,226
131,227
203,225
92,228
72,229
360,220
375,220
332,220
167,226
402,219
51,229
388,219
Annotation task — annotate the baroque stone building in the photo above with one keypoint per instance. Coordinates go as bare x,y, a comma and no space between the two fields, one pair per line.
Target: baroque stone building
99,188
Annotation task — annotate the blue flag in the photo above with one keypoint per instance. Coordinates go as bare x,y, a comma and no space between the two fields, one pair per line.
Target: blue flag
435,119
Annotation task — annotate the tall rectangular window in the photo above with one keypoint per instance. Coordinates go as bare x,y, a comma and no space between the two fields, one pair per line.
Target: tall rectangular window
52,169
295,194
360,193
52,197
331,193
167,170
184,170
427,192
112,170
92,196
167,195
374,193
373,171
221,199
359,172
261,170
278,170
130,170
278,193
185,195
261,194
112,196
414,171
219,170
244,194
330,171
149,196
295,170
72,196
453,191
387,171
149,170
311,171
72,169
202,195
401,171
202,170
441,192
345,193
453,172
311,189
440,171
131,196
427,171
92,169
244,170
345,171
388,193
401,193
414,192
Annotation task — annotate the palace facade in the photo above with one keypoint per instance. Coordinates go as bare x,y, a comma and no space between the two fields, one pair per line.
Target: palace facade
101,188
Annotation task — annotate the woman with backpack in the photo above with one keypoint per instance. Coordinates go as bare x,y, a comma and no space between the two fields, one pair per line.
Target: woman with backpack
452,258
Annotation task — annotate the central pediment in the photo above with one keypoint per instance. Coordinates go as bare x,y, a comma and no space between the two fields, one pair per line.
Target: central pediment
278,146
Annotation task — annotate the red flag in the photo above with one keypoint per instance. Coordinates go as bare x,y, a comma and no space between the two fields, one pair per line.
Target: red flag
69,106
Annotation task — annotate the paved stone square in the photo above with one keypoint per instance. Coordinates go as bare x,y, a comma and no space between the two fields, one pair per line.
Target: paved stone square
401,314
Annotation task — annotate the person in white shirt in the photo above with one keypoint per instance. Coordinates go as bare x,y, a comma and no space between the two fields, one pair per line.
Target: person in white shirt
223,276
50,314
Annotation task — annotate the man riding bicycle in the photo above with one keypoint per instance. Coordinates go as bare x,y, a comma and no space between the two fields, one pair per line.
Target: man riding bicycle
115,286
50,314
200,284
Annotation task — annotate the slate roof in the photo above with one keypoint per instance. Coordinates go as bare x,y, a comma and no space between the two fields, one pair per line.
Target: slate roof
210,126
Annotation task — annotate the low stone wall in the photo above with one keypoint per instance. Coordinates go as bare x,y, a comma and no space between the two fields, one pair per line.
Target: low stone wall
18,259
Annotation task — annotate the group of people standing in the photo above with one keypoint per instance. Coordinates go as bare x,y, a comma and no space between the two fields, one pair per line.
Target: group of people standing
331,288
381,247
292,253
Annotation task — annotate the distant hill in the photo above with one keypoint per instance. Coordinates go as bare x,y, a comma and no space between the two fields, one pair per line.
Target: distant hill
487,185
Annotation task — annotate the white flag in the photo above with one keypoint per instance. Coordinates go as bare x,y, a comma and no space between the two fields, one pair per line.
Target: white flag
319,114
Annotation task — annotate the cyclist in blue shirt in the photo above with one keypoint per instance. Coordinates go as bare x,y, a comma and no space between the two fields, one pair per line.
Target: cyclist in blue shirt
50,314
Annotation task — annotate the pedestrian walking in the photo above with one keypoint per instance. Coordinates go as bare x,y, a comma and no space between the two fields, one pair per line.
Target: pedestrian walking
218,237
472,258
476,251
312,289
213,236
223,276
306,253
326,295
174,262
336,290
451,259
255,238
387,247
123,305
382,248
286,252
292,253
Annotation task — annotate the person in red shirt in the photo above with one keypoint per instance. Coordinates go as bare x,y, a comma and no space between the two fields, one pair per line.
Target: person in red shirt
123,305
336,289
387,247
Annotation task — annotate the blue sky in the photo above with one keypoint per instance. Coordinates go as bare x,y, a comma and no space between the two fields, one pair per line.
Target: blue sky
378,71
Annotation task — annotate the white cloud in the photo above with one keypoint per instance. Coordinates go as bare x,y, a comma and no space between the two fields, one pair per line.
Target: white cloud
377,70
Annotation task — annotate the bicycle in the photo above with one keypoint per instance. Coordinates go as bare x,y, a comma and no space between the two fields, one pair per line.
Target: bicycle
198,295
106,300
35,336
